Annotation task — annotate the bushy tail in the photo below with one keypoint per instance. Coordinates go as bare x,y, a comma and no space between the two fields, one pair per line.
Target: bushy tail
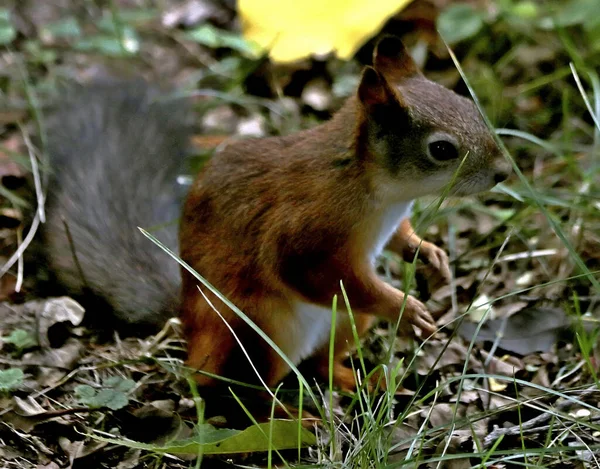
115,153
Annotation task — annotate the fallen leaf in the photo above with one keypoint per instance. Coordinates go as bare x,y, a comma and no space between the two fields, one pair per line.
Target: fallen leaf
79,449
28,406
497,386
157,423
455,354
131,460
461,442
27,414
50,465
402,437
527,331
292,30
65,357
277,434
482,308
57,311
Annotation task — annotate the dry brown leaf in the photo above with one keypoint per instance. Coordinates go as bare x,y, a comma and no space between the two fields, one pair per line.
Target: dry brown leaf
80,448
455,354
530,330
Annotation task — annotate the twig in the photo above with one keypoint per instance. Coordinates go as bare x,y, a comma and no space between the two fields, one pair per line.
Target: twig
535,425
37,180
21,249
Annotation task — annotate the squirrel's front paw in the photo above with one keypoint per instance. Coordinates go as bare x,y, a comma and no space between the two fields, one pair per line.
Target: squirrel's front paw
416,314
437,259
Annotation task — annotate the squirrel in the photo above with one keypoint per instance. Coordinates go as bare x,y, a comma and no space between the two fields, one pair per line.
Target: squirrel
275,223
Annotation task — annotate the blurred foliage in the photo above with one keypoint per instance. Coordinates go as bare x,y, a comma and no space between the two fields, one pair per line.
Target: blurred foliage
7,31
517,55
462,21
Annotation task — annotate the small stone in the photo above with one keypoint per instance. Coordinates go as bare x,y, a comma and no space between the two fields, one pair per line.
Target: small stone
185,404
220,119
253,126
317,95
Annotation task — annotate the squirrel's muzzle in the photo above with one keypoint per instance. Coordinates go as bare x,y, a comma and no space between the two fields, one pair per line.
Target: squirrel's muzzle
500,176
502,169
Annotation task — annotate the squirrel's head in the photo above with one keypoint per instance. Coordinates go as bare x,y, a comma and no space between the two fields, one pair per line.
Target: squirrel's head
420,133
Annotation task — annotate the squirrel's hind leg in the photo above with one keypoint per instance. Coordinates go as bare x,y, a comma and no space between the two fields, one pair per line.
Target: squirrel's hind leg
343,376
210,341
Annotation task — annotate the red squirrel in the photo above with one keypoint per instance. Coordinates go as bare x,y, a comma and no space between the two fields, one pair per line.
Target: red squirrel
274,223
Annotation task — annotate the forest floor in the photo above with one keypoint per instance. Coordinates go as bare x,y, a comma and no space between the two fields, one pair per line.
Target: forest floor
511,379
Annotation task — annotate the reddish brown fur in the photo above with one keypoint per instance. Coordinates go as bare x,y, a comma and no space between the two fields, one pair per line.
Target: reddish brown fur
277,221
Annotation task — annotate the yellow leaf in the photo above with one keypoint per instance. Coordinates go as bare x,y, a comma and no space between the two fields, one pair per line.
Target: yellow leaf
497,386
295,29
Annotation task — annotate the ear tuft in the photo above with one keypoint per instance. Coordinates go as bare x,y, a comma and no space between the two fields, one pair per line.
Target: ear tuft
373,89
393,60
390,46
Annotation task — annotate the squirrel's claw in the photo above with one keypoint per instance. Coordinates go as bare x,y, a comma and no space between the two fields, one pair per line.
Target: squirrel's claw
437,259
417,315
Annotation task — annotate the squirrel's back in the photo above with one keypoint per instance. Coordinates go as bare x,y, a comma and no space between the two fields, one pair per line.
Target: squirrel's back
115,153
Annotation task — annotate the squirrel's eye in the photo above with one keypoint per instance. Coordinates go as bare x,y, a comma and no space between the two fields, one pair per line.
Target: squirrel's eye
443,150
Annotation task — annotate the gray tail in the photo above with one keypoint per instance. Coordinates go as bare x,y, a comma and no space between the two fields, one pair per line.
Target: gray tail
115,153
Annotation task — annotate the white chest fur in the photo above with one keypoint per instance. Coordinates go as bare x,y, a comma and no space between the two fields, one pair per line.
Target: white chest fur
385,223
307,331
310,325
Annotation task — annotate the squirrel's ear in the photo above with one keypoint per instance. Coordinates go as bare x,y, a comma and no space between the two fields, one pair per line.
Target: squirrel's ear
374,89
393,60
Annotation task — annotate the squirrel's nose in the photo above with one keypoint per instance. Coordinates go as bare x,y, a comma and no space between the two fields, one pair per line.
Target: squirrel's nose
500,176
502,170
